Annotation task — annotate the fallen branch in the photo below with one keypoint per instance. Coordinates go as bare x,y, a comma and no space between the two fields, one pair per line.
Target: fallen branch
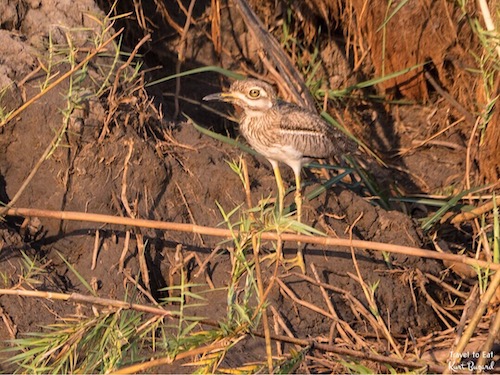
226,233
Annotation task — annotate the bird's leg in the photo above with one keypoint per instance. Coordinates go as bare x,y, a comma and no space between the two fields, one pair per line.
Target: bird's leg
298,261
281,188
298,197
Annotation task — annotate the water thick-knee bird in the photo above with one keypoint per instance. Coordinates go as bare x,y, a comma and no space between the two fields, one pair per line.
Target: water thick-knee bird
282,132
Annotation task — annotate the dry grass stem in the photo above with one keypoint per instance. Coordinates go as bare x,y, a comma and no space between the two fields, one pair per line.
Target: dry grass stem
362,355
486,349
141,367
81,298
220,232
468,117
476,318
181,56
432,137
146,293
447,286
440,310
338,324
90,56
265,320
9,324
126,242
96,250
293,81
288,292
488,21
143,265
476,212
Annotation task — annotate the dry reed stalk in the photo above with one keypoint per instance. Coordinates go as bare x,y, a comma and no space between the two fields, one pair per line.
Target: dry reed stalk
141,367
226,233
181,55
286,73
476,318
81,298
476,212
265,320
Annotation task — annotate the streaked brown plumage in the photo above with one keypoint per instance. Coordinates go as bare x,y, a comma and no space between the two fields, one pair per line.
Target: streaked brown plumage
281,131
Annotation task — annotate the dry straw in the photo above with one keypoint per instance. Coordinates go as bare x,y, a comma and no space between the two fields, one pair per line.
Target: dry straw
226,233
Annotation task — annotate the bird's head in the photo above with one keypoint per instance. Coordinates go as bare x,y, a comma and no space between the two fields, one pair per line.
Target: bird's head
251,95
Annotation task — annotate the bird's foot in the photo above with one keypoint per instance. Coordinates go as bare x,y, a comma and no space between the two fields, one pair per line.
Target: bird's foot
297,261
288,264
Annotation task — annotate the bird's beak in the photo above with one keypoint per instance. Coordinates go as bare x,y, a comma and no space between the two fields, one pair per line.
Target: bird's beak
220,96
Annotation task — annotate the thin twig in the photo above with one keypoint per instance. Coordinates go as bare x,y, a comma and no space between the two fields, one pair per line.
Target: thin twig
126,242
460,108
425,141
447,286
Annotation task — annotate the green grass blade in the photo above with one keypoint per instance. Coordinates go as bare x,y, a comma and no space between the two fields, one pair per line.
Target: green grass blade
80,277
221,137
425,201
203,69
427,224
398,7
370,184
335,123
372,82
325,186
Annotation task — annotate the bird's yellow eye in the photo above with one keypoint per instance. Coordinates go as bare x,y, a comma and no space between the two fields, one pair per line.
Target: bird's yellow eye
254,93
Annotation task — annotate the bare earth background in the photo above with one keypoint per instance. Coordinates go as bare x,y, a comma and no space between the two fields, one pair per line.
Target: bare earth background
138,146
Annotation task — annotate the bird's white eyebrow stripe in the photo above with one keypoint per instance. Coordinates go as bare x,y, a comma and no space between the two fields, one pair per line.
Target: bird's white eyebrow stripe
239,95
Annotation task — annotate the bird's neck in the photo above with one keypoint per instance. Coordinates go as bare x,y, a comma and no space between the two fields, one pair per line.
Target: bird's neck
254,112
